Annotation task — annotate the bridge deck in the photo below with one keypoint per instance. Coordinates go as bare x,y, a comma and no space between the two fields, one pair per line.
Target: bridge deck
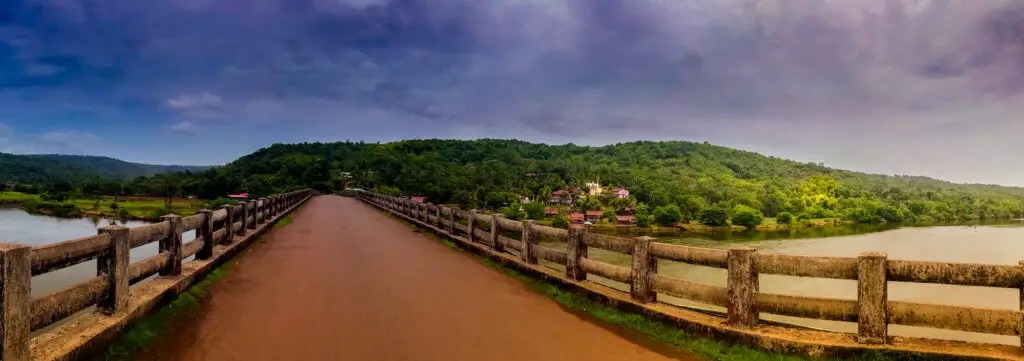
345,282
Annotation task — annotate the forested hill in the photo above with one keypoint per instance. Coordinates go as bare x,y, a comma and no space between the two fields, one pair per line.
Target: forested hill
693,176
49,168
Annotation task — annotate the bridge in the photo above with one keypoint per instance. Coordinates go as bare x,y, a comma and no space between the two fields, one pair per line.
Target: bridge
344,280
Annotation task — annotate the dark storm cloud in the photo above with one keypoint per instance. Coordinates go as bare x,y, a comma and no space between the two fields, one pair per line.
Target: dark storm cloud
759,73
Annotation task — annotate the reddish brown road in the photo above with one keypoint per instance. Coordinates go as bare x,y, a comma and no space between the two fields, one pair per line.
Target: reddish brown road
345,282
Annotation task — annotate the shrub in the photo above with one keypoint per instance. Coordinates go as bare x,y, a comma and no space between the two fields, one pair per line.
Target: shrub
160,212
534,210
784,218
609,214
747,217
714,217
560,222
219,202
123,213
668,215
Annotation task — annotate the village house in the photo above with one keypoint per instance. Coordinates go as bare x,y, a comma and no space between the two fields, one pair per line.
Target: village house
625,219
621,193
550,212
417,199
560,197
576,218
594,216
594,189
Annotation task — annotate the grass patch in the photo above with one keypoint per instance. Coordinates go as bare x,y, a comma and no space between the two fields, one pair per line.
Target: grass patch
149,328
284,221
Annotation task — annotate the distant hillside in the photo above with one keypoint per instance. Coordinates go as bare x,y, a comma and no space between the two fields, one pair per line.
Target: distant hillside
693,176
48,168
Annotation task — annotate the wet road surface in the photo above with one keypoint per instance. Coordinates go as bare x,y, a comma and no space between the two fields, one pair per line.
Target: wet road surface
343,281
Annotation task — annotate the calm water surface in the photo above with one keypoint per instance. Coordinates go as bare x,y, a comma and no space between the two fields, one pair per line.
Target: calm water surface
991,244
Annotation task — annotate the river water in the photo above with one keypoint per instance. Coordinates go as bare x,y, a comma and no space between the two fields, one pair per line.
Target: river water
990,244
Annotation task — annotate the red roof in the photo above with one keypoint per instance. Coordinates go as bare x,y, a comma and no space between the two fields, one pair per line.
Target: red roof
620,190
624,218
576,216
551,211
417,199
559,192
595,213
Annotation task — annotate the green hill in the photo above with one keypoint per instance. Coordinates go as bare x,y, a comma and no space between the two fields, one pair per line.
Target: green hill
49,168
693,176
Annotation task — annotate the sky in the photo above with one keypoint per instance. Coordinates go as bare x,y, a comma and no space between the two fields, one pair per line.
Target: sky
922,87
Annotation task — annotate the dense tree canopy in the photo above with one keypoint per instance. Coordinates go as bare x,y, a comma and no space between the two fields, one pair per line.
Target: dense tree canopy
693,177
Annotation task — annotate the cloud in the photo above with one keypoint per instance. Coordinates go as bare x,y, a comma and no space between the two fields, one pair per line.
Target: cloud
185,126
201,100
807,78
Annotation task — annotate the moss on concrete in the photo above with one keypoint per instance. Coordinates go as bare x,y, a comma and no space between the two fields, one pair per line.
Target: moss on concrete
147,330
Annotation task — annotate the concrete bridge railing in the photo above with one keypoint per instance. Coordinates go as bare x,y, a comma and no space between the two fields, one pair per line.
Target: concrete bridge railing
21,314
872,311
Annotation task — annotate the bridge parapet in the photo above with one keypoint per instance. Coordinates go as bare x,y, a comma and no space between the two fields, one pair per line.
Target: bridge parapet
21,314
872,310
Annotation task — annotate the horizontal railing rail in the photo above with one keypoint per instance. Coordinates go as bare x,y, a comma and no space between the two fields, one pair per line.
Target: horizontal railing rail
872,271
109,290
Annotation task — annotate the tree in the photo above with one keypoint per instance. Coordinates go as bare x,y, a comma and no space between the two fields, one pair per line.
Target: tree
785,218
747,217
690,205
714,217
534,210
643,216
668,215
589,203
609,214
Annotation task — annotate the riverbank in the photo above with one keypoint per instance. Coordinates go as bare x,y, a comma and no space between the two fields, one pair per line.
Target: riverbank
126,208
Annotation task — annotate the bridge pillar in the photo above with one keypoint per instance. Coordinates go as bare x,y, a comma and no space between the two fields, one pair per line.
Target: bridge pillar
172,245
645,266
872,298
528,239
114,265
15,301
743,286
230,224
496,232
471,222
206,251
575,251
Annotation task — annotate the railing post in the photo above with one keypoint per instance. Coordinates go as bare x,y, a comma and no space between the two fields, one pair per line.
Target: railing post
452,218
743,286
230,220
172,245
15,301
576,251
872,298
251,209
245,220
528,239
426,217
1020,265
206,251
471,223
114,265
496,232
261,211
645,266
